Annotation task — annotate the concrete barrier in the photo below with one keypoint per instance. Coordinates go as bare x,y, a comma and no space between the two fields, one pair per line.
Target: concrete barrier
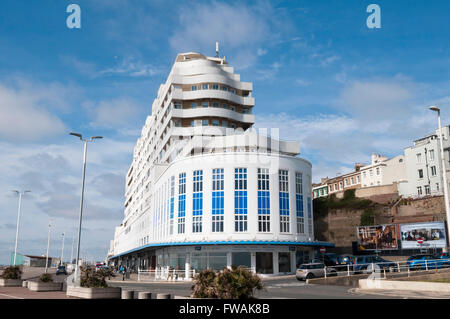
127,294
25,284
144,295
44,286
11,282
348,281
404,285
163,296
94,293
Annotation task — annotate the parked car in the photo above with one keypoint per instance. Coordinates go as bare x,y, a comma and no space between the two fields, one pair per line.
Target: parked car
366,263
344,262
61,270
445,257
325,259
423,262
313,270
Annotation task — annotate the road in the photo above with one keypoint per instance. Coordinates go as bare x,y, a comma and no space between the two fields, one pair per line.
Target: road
280,288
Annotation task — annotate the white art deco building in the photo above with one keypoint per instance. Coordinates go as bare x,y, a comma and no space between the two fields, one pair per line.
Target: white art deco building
205,190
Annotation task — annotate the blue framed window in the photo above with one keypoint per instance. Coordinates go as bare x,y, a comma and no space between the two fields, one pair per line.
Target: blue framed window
263,200
218,200
197,201
172,202
299,202
181,203
283,178
240,199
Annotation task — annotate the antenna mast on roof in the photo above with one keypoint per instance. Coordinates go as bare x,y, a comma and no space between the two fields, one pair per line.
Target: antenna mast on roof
217,49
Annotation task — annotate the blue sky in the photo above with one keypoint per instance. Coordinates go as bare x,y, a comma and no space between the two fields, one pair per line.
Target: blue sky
319,74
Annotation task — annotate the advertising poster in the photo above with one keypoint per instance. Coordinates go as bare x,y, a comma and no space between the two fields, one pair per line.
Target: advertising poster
432,235
378,237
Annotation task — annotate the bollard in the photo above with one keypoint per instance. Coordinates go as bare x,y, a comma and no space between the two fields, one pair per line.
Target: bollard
163,296
384,272
127,294
144,295
325,271
398,267
426,265
348,270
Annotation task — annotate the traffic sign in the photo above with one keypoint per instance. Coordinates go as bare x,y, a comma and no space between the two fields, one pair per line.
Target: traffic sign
420,240
322,250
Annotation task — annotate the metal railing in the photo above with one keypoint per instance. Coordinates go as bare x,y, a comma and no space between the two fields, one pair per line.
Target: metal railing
165,273
390,267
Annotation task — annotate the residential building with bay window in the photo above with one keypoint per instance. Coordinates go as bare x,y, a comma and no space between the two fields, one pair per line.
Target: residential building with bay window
205,190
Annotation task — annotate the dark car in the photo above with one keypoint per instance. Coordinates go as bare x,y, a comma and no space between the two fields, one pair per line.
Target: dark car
344,262
424,262
326,259
367,263
61,270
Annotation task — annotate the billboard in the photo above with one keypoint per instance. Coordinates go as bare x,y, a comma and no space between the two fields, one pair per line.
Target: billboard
378,237
433,235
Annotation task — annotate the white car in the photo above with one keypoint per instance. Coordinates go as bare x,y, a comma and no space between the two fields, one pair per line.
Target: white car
313,270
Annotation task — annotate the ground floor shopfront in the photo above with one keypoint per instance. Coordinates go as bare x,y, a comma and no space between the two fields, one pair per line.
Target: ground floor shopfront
262,259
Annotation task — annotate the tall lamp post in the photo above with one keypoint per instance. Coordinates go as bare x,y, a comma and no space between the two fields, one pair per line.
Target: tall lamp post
85,141
62,250
48,245
18,221
444,171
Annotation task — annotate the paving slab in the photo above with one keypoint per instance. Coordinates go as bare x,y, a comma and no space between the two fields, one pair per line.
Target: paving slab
25,293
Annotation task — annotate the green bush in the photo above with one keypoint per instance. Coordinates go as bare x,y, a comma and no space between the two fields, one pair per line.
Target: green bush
367,218
237,283
95,278
46,278
12,272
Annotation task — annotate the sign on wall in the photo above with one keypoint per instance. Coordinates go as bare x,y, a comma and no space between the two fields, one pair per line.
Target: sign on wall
378,237
423,235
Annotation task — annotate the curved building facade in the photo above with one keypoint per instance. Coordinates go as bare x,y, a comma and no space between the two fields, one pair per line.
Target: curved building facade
205,190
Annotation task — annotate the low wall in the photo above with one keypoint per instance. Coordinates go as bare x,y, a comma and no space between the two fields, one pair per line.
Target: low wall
404,285
45,286
348,281
11,282
94,293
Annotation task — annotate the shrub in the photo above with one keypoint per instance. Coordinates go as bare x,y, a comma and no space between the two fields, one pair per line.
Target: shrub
205,284
237,283
367,218
12,272
46,278
92,278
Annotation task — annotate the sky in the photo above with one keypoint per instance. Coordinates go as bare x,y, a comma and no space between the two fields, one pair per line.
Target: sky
319,74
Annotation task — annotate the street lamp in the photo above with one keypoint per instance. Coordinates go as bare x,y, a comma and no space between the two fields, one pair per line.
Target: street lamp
18,220
62,250
85,141
444,171
48,245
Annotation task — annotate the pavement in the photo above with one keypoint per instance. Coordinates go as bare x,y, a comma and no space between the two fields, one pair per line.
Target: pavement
25,293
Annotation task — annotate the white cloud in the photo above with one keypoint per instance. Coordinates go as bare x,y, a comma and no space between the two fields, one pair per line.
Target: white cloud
25,111
130,66
117,113
242,29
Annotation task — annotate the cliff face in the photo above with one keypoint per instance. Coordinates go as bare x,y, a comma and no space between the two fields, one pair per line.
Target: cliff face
338,225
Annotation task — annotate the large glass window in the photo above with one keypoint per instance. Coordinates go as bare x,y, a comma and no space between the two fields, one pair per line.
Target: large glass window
284,262
199,261
240,199
263,200
241,259
172,202
284,201
264,263
197,201
218,200
217,261
181,202
310,219
299,202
